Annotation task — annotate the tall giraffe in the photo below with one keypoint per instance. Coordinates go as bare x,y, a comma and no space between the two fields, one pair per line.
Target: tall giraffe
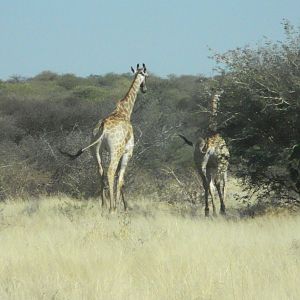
116,134
211,157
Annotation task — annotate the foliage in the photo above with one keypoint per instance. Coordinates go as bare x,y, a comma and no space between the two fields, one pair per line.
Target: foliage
39,115
258,115
262,108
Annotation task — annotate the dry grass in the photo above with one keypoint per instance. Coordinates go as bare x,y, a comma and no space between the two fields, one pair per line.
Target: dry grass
60,248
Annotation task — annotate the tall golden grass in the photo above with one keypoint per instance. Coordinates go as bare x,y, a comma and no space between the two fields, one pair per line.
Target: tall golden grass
59,248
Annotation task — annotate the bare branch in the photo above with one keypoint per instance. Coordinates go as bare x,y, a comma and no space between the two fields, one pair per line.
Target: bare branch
265,87
170,171
49,146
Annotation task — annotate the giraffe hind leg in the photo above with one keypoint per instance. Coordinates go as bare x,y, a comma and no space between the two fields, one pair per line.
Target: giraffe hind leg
111,182
124,161
123,199
205,186
221,193
224,187
212,195
101,174
223,209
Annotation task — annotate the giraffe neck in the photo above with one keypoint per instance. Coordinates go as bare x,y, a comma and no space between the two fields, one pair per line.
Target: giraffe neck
125,106
213,124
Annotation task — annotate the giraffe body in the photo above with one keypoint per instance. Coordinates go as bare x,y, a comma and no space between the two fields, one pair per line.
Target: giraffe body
117,138
211,157
115,134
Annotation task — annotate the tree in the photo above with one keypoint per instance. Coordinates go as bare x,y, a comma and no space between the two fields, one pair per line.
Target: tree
262,103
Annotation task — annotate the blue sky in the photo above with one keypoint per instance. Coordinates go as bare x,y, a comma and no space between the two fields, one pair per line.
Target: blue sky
98,37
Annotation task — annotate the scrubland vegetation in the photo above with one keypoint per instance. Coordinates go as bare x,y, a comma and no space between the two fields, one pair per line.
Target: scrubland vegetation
60,248
258,116
59,243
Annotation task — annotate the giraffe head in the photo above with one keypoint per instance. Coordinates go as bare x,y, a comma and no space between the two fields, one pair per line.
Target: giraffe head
141,74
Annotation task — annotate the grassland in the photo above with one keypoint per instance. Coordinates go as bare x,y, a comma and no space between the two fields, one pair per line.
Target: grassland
59,248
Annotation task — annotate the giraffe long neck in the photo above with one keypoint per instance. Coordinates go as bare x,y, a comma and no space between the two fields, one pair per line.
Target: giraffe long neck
125,106
213,123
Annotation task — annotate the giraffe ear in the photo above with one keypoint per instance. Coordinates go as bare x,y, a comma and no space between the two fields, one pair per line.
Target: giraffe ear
144,66
132,69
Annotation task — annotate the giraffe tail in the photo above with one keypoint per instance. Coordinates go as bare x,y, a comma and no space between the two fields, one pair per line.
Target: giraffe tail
186,140
79,152
71,156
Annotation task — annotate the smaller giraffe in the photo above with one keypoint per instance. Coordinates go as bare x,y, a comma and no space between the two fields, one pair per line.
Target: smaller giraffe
211,157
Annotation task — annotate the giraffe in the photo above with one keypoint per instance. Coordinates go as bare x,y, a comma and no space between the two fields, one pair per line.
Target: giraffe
115,133
211,157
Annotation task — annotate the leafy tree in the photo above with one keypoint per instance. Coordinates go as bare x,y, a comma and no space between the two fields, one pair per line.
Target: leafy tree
262,105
